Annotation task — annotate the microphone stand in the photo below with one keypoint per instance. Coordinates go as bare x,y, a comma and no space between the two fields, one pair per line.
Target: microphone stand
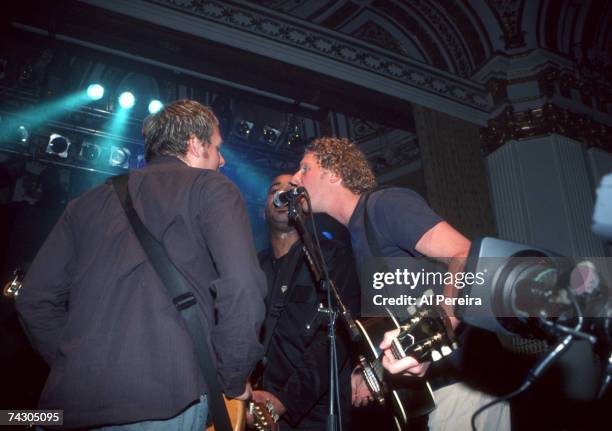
316,262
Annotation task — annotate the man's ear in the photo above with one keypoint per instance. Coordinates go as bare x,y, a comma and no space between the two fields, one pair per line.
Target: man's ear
192,146
334,178
195,148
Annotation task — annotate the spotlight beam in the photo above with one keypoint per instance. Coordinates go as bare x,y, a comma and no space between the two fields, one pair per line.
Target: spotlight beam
46,112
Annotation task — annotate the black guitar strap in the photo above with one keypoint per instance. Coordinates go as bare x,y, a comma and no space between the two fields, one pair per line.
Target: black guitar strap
369,230
183,300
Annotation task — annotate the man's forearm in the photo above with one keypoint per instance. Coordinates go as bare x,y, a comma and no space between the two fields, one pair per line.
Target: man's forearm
455,265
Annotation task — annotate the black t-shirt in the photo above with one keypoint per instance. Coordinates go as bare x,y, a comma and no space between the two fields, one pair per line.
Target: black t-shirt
400,218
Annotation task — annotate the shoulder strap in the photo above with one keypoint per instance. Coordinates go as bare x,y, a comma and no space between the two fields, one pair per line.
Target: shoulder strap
183,300
369,229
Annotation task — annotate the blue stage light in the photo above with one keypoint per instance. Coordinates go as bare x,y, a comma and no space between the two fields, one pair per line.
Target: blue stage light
155,106
23,134
127,100
95,91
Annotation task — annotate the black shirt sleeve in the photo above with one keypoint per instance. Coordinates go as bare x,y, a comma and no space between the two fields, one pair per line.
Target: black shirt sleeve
404,216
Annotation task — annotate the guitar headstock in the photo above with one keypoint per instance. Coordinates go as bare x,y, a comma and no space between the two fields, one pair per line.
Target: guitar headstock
427,336
265,417
14,285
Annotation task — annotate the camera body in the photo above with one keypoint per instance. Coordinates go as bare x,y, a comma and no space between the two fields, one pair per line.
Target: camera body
518,284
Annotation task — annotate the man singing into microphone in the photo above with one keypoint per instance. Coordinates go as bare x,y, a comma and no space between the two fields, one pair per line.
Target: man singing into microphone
338,179
295,376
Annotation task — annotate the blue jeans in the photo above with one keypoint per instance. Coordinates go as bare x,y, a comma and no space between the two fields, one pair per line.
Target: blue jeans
192,419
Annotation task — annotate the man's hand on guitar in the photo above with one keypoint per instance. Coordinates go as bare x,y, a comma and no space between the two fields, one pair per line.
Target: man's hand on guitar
407,366
361,394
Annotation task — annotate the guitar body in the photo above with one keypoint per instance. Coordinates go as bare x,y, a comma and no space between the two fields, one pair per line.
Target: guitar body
408,397
236,410
427,336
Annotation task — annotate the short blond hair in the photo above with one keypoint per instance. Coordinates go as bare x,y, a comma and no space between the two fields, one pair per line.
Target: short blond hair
343,158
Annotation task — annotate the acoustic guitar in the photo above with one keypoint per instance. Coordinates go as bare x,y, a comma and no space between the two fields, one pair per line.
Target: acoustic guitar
264,415
427,336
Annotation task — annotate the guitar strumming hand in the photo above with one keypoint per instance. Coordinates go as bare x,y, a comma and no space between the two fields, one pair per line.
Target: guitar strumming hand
360,393
407,347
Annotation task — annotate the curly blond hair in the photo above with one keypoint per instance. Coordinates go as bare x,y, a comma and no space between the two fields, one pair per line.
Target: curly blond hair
343,158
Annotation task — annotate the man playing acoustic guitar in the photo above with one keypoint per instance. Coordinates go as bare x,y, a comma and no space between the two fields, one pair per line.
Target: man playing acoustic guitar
99,314
338,179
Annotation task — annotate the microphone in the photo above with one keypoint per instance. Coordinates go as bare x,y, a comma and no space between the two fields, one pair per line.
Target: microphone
282,198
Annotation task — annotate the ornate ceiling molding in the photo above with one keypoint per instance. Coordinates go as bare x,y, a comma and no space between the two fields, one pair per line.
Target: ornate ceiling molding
510,67
309,46
446,32
550,118
509,14
473,42
535,78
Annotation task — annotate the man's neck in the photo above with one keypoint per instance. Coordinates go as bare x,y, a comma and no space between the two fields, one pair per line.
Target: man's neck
343,206
282,242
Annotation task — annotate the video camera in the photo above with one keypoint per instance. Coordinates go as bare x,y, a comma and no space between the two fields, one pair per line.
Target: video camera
534,293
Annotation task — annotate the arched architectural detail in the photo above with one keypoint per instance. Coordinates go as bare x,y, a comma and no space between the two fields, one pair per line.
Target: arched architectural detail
446,36
473,33
416,25
529,21
509,17
443,32
378,29
575,29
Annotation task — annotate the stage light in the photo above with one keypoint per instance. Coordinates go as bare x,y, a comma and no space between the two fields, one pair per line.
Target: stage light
295,137
14,134
119,157
58,145
155,106
23,135
127,100
89,152
270,135
244,128
138,158
95,91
